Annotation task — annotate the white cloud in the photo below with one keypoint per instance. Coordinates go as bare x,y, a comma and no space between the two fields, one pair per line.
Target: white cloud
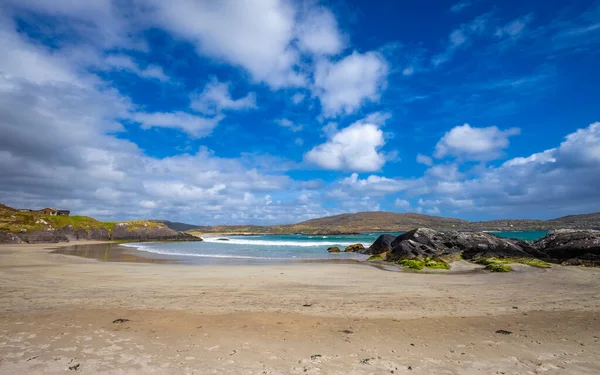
216,98
402,204
558,181
330,129
298,98
318,32
482,144
355,148
345,85
195,126
126,63
253,34
285,123
425,160
299,141
374,184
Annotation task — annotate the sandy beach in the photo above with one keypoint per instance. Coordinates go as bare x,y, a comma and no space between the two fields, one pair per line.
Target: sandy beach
57,313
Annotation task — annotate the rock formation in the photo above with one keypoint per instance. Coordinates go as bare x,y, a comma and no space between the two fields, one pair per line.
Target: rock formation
381,245
572,247
355,248
333,249
123,231
424,242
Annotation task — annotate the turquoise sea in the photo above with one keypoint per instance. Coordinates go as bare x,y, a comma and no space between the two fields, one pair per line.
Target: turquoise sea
274,248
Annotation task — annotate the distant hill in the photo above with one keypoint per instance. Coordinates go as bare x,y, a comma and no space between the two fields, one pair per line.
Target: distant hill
400,222
181,227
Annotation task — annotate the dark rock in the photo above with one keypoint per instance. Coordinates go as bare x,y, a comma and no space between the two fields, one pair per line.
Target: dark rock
7,237
503,332
333,249
222,239
424,242
74,367
97,234
43,236
381,245
565,244
120,320
586,260
355,248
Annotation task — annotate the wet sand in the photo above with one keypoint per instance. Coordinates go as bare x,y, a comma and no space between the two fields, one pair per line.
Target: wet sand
57,312
113,252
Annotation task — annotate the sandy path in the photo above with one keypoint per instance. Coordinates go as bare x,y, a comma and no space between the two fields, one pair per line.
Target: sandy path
59,309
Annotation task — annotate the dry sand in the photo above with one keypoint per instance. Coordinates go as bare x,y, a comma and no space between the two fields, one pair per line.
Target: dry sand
57,312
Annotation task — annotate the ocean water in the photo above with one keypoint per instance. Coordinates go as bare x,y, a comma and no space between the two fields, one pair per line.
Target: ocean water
259,249
274,248
531,235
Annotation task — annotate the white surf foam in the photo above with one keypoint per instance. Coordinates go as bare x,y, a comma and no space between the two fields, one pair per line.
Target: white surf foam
248,241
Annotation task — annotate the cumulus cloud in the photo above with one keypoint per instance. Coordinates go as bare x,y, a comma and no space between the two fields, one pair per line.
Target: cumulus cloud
344,86
255,35
216,97
58,148
318,32
355,148
481,144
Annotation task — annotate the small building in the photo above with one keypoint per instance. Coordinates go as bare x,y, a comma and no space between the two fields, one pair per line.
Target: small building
48,211
63,212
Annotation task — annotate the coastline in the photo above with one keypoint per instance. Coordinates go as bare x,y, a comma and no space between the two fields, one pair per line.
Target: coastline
289,318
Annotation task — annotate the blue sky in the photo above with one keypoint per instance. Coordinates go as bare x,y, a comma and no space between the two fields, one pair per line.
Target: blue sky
273,111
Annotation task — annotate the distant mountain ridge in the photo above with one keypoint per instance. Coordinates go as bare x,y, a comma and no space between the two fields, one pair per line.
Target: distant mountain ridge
399,222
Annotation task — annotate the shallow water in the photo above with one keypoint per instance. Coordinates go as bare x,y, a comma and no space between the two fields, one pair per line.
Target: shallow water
252,249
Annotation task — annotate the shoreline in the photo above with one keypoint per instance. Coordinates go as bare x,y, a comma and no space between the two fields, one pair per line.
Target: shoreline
57,311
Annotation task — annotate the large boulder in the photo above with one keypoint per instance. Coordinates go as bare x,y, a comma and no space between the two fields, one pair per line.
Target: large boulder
333,249
355,248
382,244
428,243
7,237
565,244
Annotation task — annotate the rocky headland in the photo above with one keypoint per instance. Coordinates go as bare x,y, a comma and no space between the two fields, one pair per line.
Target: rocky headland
18,226
426,248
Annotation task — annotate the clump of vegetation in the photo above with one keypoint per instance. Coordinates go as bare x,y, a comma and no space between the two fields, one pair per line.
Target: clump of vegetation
498,267
491,260
532,262
437,264
414,264
418,264
375,257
